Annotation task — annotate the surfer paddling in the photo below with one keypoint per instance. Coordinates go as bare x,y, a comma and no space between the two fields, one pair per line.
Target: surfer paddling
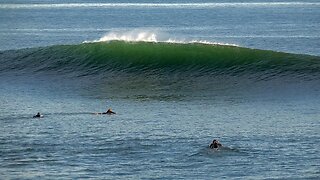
109,112
38,115
215,144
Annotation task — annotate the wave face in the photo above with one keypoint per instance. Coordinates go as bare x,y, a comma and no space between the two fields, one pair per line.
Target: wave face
193,59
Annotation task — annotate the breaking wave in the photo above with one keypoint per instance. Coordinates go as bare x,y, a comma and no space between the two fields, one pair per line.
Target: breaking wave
99,58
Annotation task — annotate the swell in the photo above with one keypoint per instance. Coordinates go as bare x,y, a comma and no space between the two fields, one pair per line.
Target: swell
151,58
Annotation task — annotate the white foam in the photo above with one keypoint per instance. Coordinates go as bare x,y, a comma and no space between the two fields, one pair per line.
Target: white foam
150,36
130,36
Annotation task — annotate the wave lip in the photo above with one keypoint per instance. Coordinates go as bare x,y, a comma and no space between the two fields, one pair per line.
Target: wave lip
149,36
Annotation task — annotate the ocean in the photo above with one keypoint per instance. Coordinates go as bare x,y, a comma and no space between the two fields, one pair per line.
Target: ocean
178,74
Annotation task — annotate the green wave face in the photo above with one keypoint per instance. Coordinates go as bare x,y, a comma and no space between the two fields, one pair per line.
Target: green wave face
152,58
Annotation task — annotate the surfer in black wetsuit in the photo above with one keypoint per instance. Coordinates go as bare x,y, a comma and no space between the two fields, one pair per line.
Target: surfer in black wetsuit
38,115
215,144
109,112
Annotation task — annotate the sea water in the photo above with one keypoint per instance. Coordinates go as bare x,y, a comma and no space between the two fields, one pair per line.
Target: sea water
226,70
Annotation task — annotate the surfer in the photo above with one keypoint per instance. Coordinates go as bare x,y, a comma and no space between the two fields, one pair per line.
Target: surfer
38,115
215,144
109,112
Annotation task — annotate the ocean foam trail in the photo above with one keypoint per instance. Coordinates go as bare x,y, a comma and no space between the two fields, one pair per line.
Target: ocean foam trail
156,5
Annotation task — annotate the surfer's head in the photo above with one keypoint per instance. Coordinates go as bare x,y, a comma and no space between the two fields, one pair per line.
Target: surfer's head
215,144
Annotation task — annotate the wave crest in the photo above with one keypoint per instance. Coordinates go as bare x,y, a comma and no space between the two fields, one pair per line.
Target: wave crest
150,36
